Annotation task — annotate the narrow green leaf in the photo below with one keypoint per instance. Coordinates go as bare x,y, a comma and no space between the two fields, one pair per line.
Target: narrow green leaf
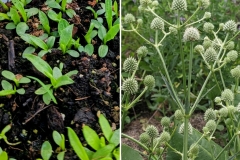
108,8
115,138
63,80
39,42
103,50
4,16
115,8
9,75
63,23
56,73
54,16
42,90
105,126
6,85
14,16
111,33
21,28
31,12
64,3
28,50
20,8
26,37
69,74
66,36
91,137
44,21
77,145
46,150
7,92
93,11
70,13
53,4
51,41
6,129
103,152
57,138
42,53
116,153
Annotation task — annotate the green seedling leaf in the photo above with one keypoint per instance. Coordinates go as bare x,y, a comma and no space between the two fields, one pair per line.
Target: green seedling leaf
116,153
62,25
70,13
10,25
102,32
108,14
44,36
20,91
51,41
93,34
103,152
20,8
44,20
96,23
31,12
39,42
129,153
89,32
61,66
46,98
81,49
57,138
63,80
73,53
53,4
64,3
117,21
105,126
9,75
54,16
69,74
28,50
115,8
46,150
89,152
41,90
93,11
89,49
103,50
100,20
6,129
3,155
7,92
26,37
102,142
14,16
76,144
6,85
115,138
91,137
100,11
4,16
21,28
24,80
56,73
111,33
65,37
42,53
60,156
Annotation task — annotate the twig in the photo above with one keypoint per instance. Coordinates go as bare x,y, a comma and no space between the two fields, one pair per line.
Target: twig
79,99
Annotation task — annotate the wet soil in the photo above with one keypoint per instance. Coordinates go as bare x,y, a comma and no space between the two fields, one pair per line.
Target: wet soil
95,89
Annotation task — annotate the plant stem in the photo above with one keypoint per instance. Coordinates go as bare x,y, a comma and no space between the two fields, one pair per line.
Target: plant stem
185,137
176,151
137,99
134,140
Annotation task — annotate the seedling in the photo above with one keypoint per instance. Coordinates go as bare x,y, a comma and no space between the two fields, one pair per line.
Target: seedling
4,137
4,6
44,20
54,16
59,139
46,150
3,154
16,78
96,14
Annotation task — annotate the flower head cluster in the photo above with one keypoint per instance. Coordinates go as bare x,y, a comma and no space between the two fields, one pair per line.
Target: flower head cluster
142,51
210,55
164,137
230,45
235,72
207,43
207,15
173,30
209,114
149,81
199,49
165,121
227,95
191,34
180,5
130,64
157,23
145,3
178,115
230,26
216,44
232,55
152,131
129,18
130,86
204,3
208,27
181,128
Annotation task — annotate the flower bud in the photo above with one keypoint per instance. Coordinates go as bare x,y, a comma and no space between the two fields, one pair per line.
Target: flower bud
165,137
231,109
210,55
191,34
145,3
140,21
209,114
232,55
130,86
208,27
221,25
218,100
230,26
199,49
155,3
216,44
142,51
207,15
194,149
130,64
181,128
165,121
149,81
179,5
223,112
144,138
129,18
227,95
230,45
211,125
152,131
204,3
157,23
173,30
178,115
207,43
235,72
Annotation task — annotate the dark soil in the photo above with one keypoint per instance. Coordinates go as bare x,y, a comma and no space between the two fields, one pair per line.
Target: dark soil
95,89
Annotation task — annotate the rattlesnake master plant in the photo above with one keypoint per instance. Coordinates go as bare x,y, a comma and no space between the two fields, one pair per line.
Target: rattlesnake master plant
196,37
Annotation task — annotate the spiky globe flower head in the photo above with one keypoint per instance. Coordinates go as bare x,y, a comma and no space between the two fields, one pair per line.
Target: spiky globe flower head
173,30
157,23
211,125
180,5
232,55
207,43
207,15
149,81
164,137
230,45
208,27
209,114
129,18
238,108
178,115
223,112
181,128
210,55
165,121
216,44
230,26
227,95
144,138
203,3
155,3
130,86
145,3
218,100
130,64
199,49
193,150
221,25
152,131
235,72
191,34
140,21
141,8
142,51
231,109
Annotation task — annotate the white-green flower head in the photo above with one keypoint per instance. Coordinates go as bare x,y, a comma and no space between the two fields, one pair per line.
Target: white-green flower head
230,26
232,55
149,81
207,15
173,30
165,137
178,115
208,27
165,121
221,25
142,51
207,43
130,64
140,21
180,5
144,138
194,149
238,107
129,18
230,45
152,131
216,44
210,55
227,95
204,3
235,72
145,3
191,34
157,23
130,86
181,128
199,49
223,112
211,125
155,3
209,114
231,109
218,100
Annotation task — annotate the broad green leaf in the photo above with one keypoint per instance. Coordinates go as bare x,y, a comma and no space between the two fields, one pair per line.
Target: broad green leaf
3,155
10,25
111,33
42,90
44,21
57,138
103,50
4,16
100,11
102,142
21,28
14,16
40,43
103,152
42,53
116,153
40,65
89,49
46,150
96,23
80,49
63,80
93,34
6,85
50,41
20,91
105,126
7,92
60,156
62,25
129,153
91,137
53,4
115,138
66,35
31,12
108,14
9,75
56,73
73,53
102,32
76,144
69,74
70,13
26,37
28,50
46,98
54,16
24,80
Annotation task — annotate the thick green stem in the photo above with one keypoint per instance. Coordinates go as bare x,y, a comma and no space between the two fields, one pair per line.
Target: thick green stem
185,137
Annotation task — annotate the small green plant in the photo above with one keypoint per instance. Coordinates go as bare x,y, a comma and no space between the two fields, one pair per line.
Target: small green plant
44,21
4,137
5,7
46,150
18,79
54,16
3,154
